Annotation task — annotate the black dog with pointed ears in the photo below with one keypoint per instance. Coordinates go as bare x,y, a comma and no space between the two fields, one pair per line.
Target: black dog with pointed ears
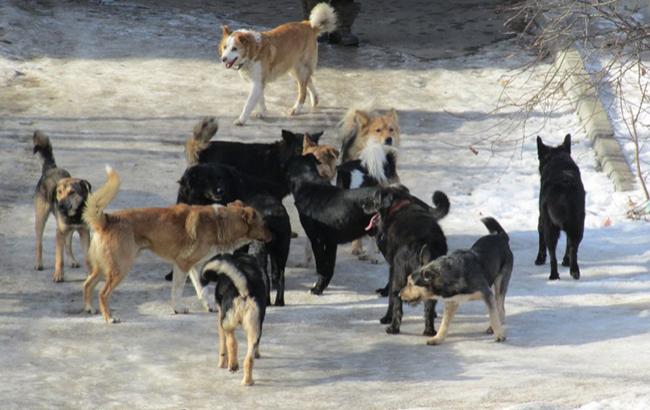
561,205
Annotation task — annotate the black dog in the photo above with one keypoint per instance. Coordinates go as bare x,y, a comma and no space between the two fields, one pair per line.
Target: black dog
467,275
241,301
205,184
263,160
561,205
408,235
329,215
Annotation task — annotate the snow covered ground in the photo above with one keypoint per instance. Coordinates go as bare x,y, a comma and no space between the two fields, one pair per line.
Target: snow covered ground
124,85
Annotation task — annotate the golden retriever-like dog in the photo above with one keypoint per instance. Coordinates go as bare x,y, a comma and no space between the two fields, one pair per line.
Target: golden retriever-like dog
263,57
183,235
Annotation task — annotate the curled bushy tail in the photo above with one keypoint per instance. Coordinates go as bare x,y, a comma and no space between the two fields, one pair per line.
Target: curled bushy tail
494,227
323,18
441,203
203,132
44,148
219,266
94,211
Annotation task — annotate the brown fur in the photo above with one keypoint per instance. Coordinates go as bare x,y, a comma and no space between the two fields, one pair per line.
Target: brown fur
245,313
326,155
358,126
56,186
181,234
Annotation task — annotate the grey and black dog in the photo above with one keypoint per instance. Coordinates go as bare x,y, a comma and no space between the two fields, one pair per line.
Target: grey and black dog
467,274
63,196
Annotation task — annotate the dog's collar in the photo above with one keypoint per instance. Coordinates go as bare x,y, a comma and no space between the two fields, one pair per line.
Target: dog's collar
401,204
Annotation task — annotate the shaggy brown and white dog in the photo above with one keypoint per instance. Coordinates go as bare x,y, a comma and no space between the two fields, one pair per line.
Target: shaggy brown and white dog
359,126
183,235
289,48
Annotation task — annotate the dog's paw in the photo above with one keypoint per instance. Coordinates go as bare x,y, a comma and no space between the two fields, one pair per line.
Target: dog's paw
181,310
500,338
90,310
233,367
540,260
57,276
247,382
391,330
434,341
566,261
74,264
358,251
38,266
429,332
239,122
385,320
222,362
382,292
261,114
293,111
575,274
114,320
554,276
316,291
279,302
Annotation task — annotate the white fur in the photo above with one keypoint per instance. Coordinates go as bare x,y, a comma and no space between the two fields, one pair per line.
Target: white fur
322,16
256,34
253,73
356,179
232,272
373,158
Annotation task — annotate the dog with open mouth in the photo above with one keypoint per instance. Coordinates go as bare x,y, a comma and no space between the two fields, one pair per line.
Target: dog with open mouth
261,57
466,275
65,197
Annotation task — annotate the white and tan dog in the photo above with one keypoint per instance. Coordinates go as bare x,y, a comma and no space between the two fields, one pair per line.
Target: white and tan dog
289,48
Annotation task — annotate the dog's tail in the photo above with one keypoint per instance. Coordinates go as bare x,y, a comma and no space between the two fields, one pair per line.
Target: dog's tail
43,146
441,204
323,18
203,132
219,266
94,212
494,227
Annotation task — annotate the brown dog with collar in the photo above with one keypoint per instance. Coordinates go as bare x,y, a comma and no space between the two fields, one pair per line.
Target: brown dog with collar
59,194
182,234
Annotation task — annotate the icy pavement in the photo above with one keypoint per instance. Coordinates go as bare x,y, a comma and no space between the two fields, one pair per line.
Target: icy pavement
124,84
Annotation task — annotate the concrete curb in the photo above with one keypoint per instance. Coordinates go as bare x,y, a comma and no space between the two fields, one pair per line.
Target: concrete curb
581,92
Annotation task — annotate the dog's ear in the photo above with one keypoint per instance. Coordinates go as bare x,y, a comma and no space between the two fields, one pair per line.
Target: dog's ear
393,115
192,223
249,215
86,185
424,256
225,30
541,148
236,204
315,136
307,142
335,152
288,136
361,118
567,143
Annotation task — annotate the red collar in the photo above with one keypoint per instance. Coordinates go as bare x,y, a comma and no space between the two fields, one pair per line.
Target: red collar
401,204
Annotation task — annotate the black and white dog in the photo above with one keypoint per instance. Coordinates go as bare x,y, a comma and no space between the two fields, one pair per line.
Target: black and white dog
263,160
561,205
330,215
240,296
205,184
407,234
464,275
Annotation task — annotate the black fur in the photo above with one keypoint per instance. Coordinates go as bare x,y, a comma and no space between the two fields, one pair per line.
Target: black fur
263,160
561,205
345,170
205,184
401,236
329,215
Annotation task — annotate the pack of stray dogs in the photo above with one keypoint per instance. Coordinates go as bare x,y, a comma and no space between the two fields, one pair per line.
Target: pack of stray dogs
229,225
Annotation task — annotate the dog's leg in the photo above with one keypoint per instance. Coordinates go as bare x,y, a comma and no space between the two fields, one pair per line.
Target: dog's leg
447,316
313,93
565,259
57,276
252,336
178,283
68,249
113,279
89,288
223,363
256,92
301,80
388,317
231,346
201,292
42,212
551,235
261,106
277,275
429,317
357,247
541,253
325,256
309,254
573,242
495,323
